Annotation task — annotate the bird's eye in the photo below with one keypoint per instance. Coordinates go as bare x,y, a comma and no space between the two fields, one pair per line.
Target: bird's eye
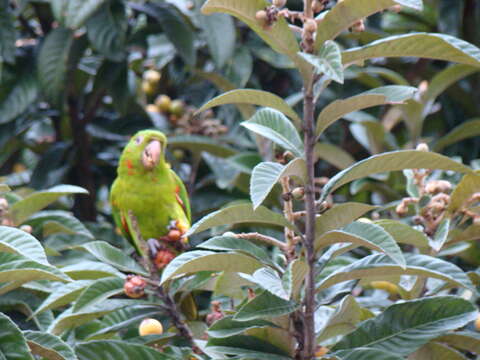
138,140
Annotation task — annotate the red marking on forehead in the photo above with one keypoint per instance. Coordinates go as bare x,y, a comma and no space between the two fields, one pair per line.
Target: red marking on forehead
129,164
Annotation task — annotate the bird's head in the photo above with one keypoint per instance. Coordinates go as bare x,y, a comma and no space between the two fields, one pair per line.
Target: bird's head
144,152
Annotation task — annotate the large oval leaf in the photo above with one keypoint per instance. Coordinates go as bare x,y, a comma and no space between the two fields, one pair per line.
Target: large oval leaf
12,345
339,216
278,36
266,174
347,12
254,97
469,185
53,63
76,12
265,305
274,126
391,94
403,233
334,155
20,96
54,221
86,269
393,161
62,295
105,252
424,45
98,291
240,214
48,346
433,351
22,209
197,143
414,324
364,234
228,326
118,350
379,264
13,240
195,261
467,129
328,61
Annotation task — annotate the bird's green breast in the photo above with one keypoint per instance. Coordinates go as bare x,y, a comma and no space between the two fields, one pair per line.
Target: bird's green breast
152,199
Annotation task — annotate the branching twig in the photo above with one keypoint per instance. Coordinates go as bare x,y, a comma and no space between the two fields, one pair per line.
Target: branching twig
263,238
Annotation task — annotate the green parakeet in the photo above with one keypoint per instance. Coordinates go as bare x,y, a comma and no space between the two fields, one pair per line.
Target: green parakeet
154,194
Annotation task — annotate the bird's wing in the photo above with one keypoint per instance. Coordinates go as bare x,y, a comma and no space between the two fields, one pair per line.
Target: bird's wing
182,195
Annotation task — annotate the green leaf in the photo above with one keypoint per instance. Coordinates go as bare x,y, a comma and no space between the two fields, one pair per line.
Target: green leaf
278,36
107,30
54,221
466,130
434,351
266,174
364,234
247,347
228,326
118,350
12,345
20,269
9,34
197,143
445,78
78,11
178,31
391,94
23,93
269,280
415,323
392,161
421,265
86,269
22,209
13,240
48,346
53,63
105,252
294,277
274,126
62,295
68,320
402,233
347,12
463,340
339,216
195,261
240,214
220,35
265,305
226,243
99,291
441,234
365,354
469,185
424,45
344,320
328,61
254,97
334,155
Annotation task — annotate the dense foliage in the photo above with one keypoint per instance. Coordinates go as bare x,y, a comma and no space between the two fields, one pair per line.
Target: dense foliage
340,219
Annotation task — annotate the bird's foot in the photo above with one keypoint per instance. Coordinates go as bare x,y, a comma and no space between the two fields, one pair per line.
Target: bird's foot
153,247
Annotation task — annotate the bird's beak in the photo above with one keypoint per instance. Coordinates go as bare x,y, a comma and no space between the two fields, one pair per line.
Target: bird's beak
151,154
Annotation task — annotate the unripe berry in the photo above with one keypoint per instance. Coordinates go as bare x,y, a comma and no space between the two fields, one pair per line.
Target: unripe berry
310,26
152,76
438,186
150,327
148,88
134,286
279,3
176,107
163,103
163,258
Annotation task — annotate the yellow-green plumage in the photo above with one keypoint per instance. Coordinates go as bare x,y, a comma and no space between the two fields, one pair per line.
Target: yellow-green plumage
155,195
